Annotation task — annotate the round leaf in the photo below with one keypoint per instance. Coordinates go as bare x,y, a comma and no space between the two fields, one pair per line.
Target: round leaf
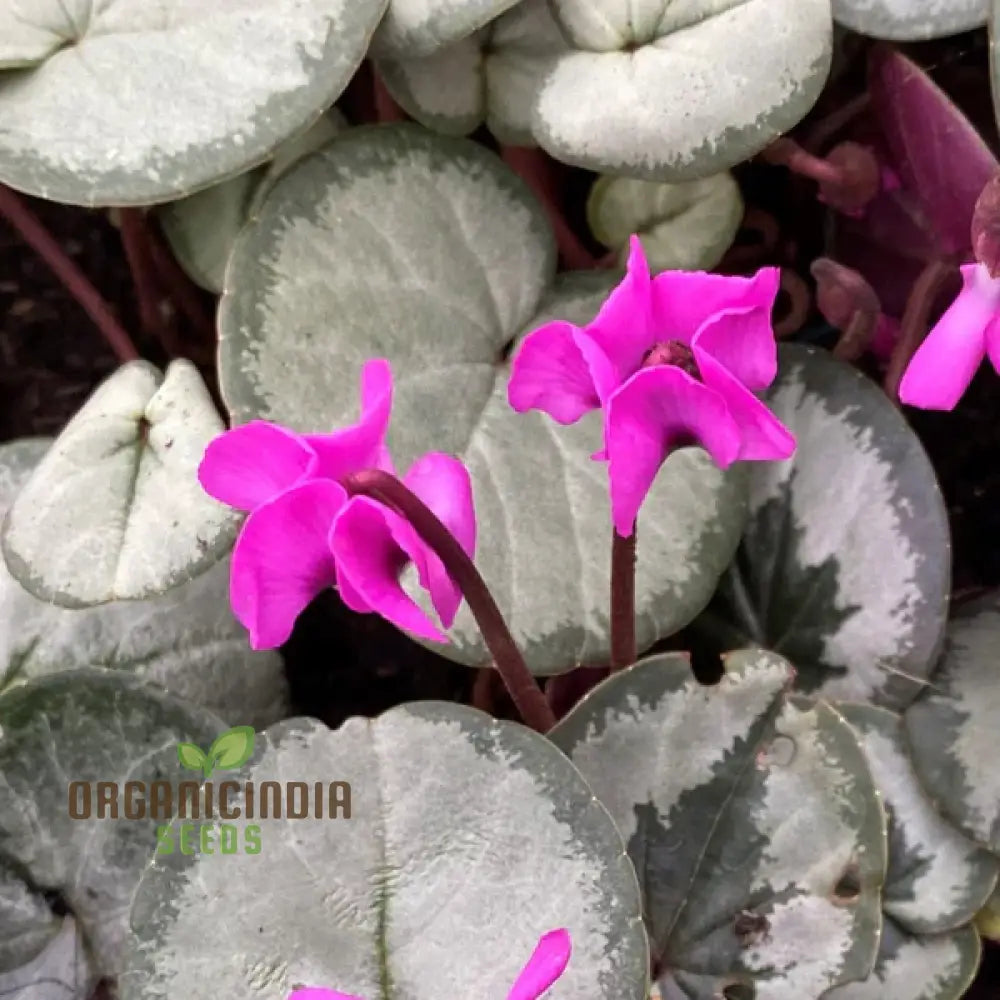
417,28
951,729
492,75
185,641
202,227
168,97
467,839
917,968
114,510
910,20
644,93
845,565
937,879
751,818
686,226
88,726
443,256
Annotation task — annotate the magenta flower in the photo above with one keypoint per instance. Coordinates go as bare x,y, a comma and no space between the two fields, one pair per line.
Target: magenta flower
672,360
546,965
944,364
305,533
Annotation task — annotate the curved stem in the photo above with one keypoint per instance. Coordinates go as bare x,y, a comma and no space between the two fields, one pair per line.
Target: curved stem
623,601
524,689
787,152
17,213
916,320
800,301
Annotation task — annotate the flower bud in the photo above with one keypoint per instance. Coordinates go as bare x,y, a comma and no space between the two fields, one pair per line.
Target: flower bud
986,227
860,182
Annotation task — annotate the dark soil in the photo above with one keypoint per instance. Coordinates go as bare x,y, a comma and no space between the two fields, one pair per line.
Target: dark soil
341,664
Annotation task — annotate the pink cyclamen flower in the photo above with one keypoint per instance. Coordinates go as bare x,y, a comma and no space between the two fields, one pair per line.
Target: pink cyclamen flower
672,360
305,533
945,363
546,965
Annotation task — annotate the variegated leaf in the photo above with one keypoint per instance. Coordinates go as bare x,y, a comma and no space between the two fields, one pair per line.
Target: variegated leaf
492,76
185,641
166,97
951,729
202,227
988,918
751,818
686,226
911,20
60,970
467,839
418,28
937,879
89,726
645,91
443,257
845,565
114,510
917,968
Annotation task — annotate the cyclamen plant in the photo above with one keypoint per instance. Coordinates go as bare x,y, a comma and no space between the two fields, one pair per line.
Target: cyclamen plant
477,346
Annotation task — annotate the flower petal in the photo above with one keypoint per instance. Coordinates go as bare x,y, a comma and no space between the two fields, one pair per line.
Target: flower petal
319,993
253,463
623,327
362,445
444,484
365,540
282,560
551,374
683,302
547,963
763,436
657,411
944,364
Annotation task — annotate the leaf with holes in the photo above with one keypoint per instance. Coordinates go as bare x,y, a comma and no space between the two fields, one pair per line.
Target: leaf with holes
185,641
751,818
850,583
89,726
114,510
644,92
169,97
202,227
443,257
937,879
435,914
951,729
910,20
686,226
941,967
418,28
491,76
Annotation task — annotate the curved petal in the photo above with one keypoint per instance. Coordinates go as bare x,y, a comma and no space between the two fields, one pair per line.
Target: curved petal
253,463
319,993
365,543
282,560
743,342
444,484
362,445
623,328
684,301
943,366
547,963
655,412
763,436
551,374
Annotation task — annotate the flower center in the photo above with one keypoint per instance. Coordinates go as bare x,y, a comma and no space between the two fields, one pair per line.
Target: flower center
672,352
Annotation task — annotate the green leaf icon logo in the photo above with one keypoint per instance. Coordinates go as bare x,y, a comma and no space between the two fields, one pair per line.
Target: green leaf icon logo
191,756
230,750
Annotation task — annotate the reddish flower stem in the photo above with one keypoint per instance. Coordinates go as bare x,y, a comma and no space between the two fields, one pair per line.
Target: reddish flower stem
785,152
915,324
524,689
799,301
535,168
386,108
31,230
623,652
148,297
